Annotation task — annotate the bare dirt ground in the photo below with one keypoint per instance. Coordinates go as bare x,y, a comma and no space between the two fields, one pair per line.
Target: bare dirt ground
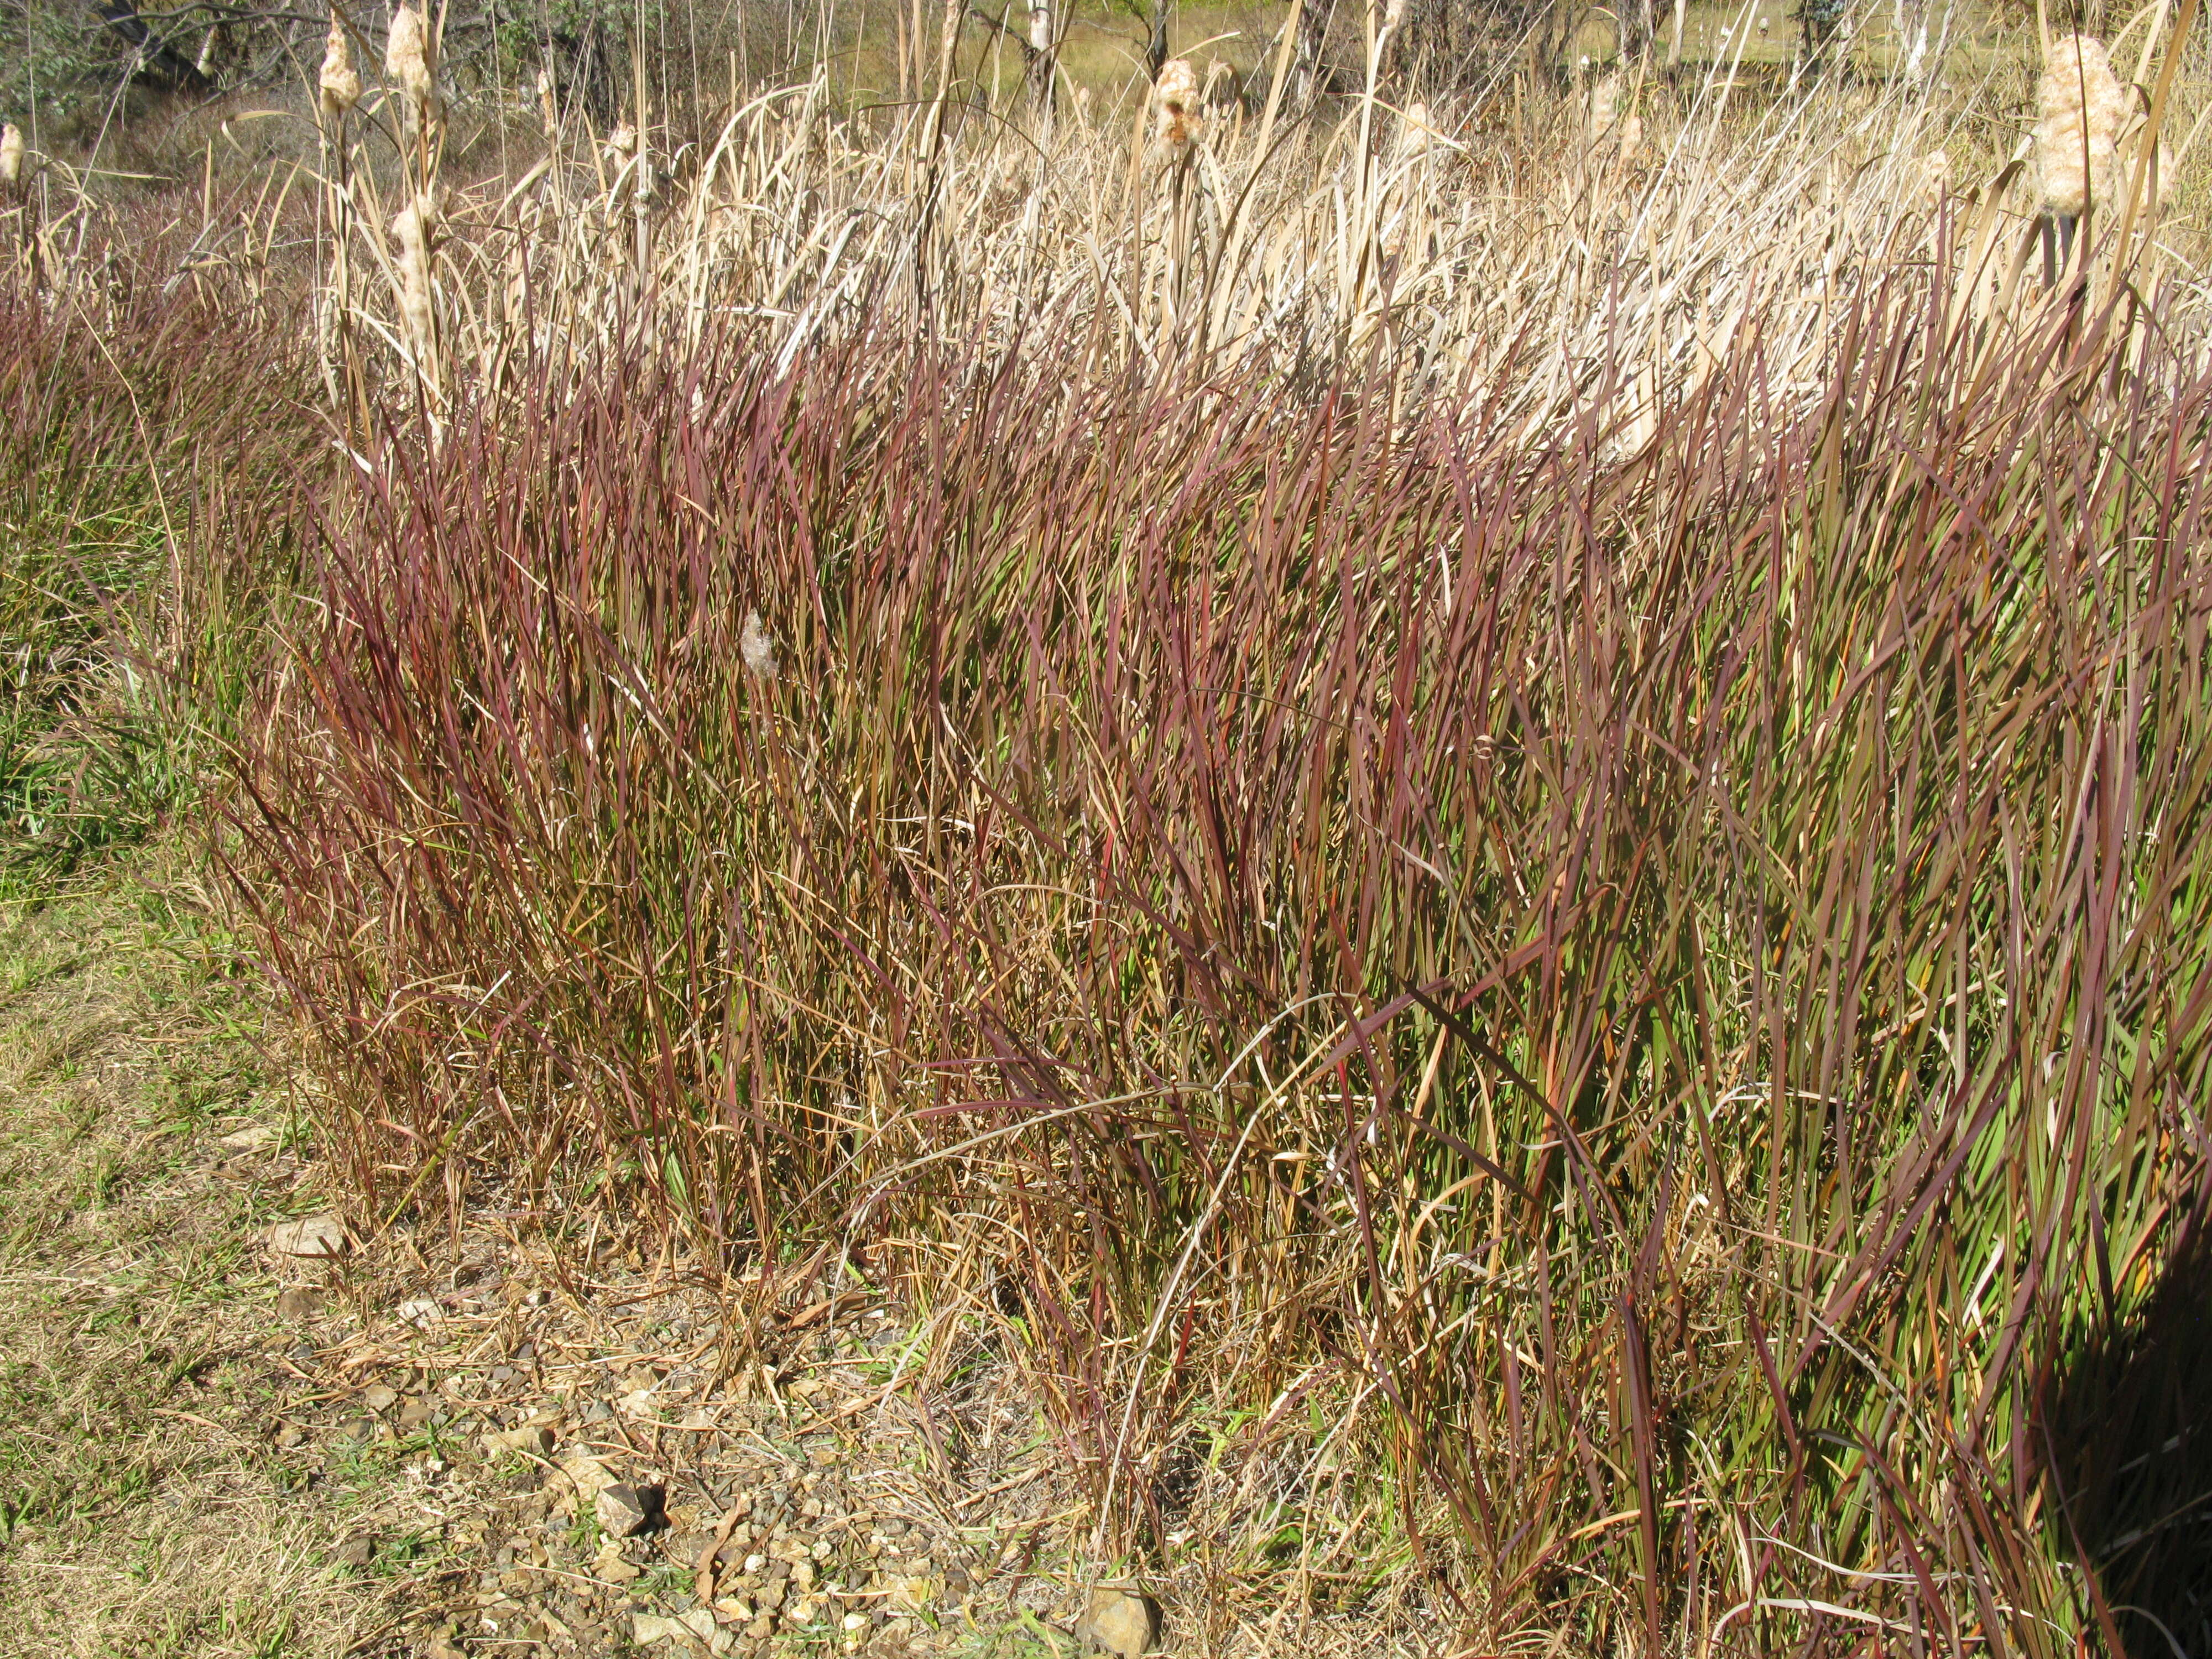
432,1446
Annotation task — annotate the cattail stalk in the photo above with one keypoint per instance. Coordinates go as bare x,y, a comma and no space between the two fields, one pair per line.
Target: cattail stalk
1042,41
410,58
1177,122
339,87
411,229
337,90
13,194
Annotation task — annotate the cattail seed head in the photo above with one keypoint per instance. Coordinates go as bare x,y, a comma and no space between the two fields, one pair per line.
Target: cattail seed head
1416,131
756,646
407,58
1631,137
1934,176
1177,120
412,228
1605,108
2081,108
341,82
11,153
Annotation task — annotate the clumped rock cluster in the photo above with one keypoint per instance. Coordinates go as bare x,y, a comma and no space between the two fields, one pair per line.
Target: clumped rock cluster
600,1486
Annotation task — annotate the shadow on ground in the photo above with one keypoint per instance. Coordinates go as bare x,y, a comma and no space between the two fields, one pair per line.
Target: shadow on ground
2127,1432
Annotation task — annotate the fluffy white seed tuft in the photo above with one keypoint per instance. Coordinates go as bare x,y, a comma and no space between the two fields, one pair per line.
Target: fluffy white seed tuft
407,58
1177,119
1934,176
1608,103
341,81
1416,131
412,228
2081,108
1631,138
755,646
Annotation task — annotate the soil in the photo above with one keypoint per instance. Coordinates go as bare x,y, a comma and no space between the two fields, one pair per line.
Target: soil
212,1446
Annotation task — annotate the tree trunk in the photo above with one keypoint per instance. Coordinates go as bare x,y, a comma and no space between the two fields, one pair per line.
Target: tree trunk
1635,29
1309,79
153,53
1913,33
1041,57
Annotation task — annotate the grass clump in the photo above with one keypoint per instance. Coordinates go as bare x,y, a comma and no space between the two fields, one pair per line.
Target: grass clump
1619,1008
150,444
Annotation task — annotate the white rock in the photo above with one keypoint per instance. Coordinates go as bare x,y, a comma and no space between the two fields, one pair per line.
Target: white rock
585,1473
913,1594
625,1511
1122,1622
536,1438
321,1236
575,1481
422,1313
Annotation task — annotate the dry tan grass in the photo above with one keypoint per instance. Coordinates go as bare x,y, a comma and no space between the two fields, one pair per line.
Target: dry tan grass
1519,246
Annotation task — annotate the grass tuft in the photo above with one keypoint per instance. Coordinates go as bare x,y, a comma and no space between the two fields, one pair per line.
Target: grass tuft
1656,992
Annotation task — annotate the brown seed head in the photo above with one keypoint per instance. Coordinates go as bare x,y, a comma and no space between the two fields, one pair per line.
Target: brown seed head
1631,138
1934,176
1607,99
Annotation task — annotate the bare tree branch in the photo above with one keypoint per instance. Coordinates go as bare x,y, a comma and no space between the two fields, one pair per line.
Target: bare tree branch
1030,53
